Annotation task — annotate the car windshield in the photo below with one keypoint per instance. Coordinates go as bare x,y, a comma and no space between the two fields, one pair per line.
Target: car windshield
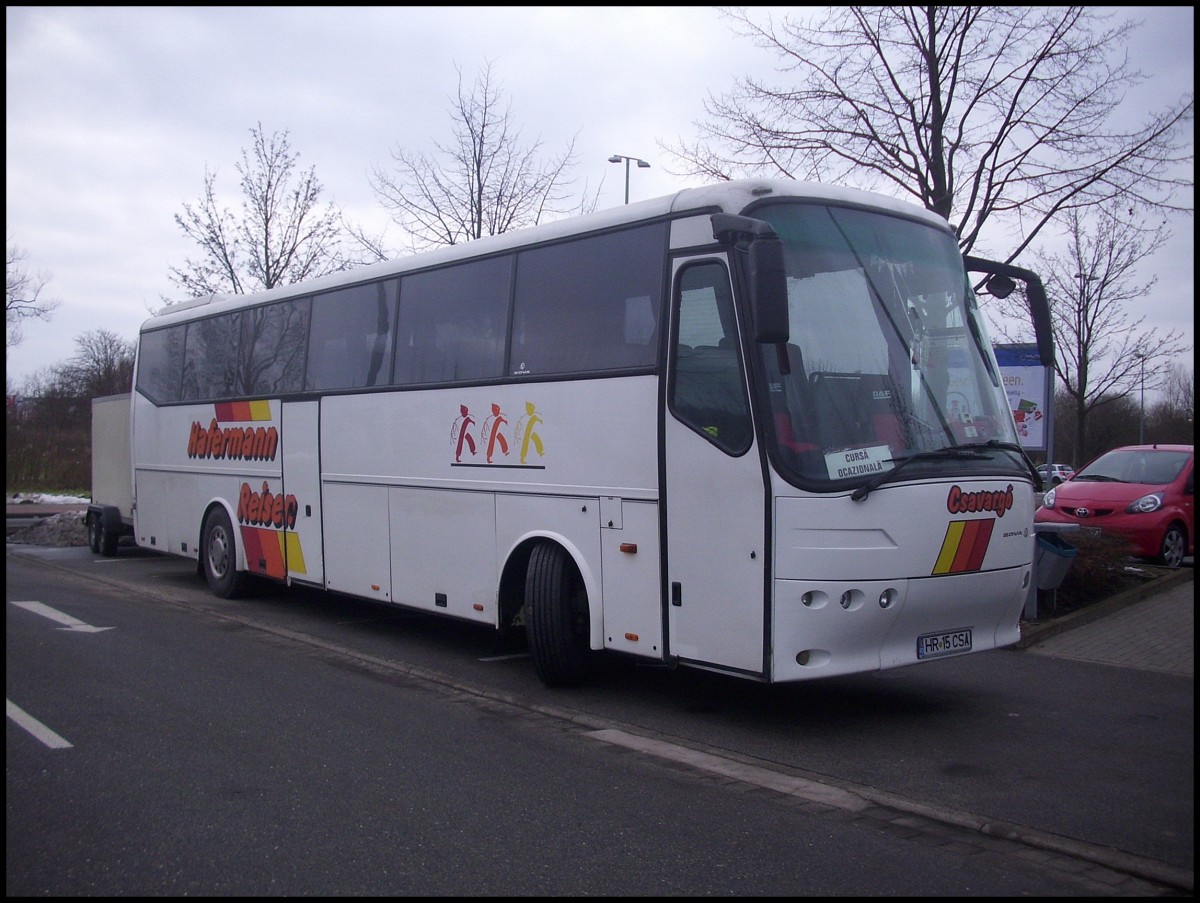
889,363
1128,465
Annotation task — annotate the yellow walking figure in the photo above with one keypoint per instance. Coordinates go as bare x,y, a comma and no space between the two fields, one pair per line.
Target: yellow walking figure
525,430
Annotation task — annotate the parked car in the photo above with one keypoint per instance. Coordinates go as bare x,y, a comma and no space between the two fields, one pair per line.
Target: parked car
1053,474
1143,493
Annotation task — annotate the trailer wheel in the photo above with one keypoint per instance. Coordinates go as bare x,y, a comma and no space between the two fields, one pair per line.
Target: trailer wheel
107,540
93,532
556,617
219,555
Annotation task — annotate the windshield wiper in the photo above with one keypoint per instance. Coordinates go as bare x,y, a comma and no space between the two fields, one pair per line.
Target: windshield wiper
977,450
1014,447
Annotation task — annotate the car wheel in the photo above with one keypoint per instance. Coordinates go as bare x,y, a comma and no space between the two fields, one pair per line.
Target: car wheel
1174,547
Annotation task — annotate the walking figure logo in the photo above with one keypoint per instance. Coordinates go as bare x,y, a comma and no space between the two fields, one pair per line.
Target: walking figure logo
460,433
527,432
491,432
496,438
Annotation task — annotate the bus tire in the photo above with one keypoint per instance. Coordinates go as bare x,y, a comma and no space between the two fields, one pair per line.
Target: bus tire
218,555
556,617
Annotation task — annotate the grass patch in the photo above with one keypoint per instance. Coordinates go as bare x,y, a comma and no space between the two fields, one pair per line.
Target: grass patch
1100,570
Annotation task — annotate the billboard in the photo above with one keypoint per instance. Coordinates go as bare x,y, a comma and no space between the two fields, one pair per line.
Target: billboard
1029,387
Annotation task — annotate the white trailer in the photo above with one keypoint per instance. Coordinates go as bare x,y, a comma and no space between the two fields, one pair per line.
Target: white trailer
110,514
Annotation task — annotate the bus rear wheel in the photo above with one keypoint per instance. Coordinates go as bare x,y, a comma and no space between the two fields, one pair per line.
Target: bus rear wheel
556,617
219,556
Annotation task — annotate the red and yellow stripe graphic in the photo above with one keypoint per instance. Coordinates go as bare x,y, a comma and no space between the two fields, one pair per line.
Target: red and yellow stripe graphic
965,545
273,552
242,411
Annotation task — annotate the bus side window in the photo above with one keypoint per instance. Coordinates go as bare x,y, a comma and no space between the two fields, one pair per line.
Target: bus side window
588,305
350,337
160,364
707,389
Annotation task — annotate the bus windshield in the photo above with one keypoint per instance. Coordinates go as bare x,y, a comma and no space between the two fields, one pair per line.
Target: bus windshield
888,356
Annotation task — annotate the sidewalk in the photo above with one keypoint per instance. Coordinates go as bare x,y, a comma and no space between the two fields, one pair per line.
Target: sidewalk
1152,627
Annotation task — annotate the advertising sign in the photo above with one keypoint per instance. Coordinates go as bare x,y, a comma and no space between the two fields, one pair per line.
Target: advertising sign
1030,397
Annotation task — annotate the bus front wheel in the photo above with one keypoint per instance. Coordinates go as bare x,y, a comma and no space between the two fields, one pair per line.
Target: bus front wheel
219,554
556,617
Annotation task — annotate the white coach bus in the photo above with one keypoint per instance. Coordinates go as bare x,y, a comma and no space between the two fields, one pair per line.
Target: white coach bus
756,428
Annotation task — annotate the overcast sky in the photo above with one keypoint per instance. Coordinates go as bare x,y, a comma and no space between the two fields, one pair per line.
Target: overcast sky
113,114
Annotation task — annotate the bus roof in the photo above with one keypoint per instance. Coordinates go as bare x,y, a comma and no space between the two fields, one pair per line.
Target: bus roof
731,197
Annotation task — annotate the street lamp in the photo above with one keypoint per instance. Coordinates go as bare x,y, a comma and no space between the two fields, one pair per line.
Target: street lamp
1084,279
1142,406
642,164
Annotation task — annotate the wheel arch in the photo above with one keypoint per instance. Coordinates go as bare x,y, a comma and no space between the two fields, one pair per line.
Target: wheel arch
514,574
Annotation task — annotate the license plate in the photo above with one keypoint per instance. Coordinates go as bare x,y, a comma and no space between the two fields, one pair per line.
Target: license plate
948,642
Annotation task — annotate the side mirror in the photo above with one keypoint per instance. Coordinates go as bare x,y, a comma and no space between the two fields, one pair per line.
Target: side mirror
768,274
768,291
1035,294
1000,286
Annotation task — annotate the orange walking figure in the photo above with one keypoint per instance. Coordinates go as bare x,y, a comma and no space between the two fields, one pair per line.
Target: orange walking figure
491,429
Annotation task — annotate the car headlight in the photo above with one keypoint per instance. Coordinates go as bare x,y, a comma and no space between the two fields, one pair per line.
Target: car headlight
1048,499
1146,504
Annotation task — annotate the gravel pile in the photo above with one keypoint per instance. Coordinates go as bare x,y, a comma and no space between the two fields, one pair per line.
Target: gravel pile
57,530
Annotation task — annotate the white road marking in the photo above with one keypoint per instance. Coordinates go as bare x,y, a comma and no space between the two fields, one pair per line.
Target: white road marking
70,623
35,727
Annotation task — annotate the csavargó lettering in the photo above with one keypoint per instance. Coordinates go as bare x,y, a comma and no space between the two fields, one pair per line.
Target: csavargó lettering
998,500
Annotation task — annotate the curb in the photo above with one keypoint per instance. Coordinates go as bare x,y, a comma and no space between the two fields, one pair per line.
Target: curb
1032,633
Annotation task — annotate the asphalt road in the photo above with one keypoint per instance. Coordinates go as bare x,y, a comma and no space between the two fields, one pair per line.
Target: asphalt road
297,742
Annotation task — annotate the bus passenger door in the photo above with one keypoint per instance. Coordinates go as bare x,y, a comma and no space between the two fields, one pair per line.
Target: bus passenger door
715,497
302,480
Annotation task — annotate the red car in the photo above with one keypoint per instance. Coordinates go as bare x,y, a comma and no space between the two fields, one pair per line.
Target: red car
1143,493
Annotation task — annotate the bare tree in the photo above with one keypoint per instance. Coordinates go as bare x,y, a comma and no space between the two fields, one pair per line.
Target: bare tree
1173,417
1179,389
1101,352
22,294
282,235
975,112
102,365
483,182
